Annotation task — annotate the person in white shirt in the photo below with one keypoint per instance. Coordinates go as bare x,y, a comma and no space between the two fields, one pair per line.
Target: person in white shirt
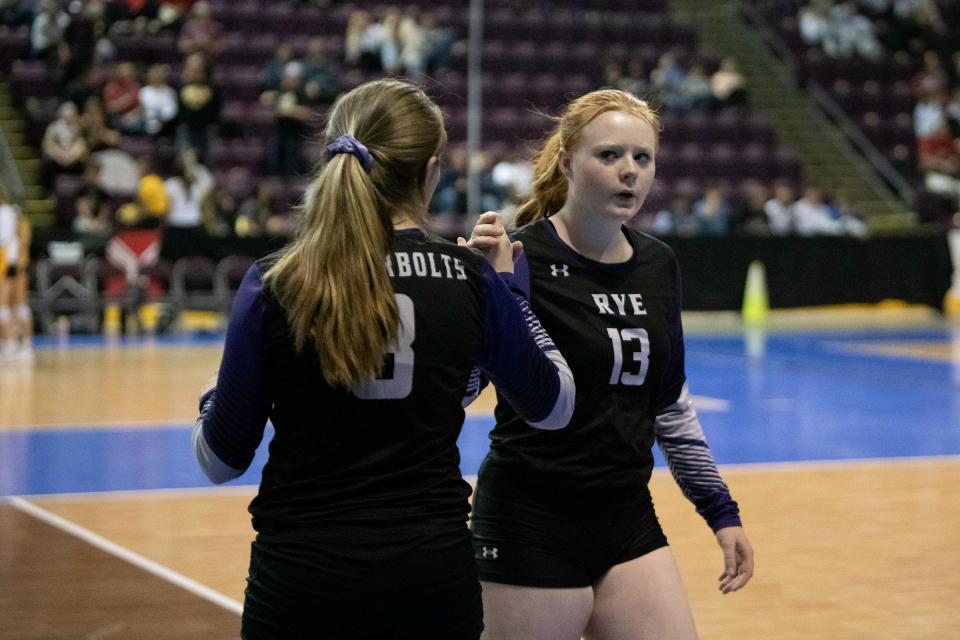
779,210
188,191
159,101
812,216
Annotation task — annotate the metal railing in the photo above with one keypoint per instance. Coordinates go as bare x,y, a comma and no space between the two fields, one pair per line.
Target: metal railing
9,172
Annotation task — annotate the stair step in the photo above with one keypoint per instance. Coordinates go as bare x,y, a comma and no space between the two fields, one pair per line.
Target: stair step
38,206
34,192
12,126
828,158
42,218
22,152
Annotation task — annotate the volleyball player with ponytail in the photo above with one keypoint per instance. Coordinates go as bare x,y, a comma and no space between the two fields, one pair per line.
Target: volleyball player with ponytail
357,342
565,530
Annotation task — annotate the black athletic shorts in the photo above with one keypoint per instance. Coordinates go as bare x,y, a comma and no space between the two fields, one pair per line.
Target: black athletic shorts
285,599
526,539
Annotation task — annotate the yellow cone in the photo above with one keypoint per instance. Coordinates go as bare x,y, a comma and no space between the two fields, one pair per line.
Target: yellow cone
951,303
755,301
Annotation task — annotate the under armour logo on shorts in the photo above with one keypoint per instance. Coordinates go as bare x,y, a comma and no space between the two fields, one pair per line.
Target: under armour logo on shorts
563,270
489,553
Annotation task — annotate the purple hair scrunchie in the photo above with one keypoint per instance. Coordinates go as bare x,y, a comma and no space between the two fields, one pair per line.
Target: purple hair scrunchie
349,144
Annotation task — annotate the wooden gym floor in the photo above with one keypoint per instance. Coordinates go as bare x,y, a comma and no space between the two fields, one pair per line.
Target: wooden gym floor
839,438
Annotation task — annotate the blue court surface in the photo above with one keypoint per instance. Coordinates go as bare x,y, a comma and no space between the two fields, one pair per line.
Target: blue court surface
774,398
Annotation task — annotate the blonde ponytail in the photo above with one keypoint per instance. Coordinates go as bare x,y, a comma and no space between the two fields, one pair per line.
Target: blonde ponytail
549,190
332,280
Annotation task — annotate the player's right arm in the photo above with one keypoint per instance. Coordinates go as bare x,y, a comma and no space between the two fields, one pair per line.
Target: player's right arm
519,356
234,411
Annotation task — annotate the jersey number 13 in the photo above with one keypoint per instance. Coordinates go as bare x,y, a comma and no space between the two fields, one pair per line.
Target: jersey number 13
636,371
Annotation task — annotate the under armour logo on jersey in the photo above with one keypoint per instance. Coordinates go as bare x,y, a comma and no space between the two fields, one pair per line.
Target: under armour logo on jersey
489,553
556,271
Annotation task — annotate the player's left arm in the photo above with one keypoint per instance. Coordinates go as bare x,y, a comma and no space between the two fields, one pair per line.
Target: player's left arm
681,439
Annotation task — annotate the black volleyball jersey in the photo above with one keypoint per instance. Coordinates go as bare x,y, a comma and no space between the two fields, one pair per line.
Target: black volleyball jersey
618,327
375,466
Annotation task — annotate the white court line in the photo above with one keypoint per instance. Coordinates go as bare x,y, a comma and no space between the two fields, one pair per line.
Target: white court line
133,558
835,463
143,494
706,403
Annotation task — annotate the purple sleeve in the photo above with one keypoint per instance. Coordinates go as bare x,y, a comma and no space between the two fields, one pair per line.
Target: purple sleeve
515,349
235,413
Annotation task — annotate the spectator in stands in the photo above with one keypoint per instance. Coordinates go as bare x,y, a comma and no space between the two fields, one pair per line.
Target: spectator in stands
152,198
917,18
677,219
64,148
93,223
189,191
779,210
199,107
14,13
666,80
851,33
412,42
319,75
271,76
150,207
170,15
292,117
812,216
713,211
635,77
437,42
633,80
728,85
938,157
849,218
513,175
79,39
121,98
255,210
695,90
390,41
612,76
750,216
363,42
159,102
201,33
258,214
96,130
117,15
450,197
813,22
84,87
47,29
932,78
224,214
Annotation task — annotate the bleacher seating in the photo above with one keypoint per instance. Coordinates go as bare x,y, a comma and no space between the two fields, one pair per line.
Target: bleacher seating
877,96
533,61
535,57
